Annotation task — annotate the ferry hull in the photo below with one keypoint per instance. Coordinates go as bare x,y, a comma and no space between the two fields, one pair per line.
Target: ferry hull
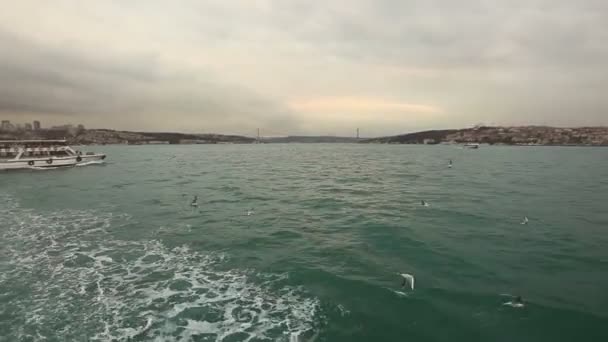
35,163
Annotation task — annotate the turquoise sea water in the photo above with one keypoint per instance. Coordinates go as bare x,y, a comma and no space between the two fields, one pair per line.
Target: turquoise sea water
116,252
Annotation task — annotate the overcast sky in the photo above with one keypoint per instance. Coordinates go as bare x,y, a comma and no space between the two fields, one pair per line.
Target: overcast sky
304,67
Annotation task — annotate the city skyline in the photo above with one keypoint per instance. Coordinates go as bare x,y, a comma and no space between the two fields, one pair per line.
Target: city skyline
8,125
35,125
293,67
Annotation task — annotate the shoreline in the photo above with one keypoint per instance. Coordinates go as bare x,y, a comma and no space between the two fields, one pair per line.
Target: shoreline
484,135
342,143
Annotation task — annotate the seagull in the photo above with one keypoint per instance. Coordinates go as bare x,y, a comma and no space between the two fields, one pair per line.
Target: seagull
450,164
517,302
408,279
525,221
424,204
250,212
194,202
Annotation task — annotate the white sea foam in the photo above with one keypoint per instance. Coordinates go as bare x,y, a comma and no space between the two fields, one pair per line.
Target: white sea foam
400,293
92,162
78,282
48,168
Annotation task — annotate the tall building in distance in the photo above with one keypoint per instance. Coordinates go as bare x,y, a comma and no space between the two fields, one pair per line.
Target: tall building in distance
36,125
6,125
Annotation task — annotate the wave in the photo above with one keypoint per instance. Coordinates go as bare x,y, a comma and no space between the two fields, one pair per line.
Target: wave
48,168
67,278
93,162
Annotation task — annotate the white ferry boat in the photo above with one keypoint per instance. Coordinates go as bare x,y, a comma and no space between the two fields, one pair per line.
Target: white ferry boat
471,145
24,154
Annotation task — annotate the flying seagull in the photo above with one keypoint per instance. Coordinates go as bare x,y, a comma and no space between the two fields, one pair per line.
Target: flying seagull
408,279
525,220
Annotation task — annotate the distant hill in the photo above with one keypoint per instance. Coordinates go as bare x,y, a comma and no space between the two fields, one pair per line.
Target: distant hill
523,135
310,139
432,137
107,136
180,138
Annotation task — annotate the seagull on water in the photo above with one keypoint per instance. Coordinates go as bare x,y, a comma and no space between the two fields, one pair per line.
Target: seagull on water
408,279
516,302
250,212
194,202
450,164
424,203
525,220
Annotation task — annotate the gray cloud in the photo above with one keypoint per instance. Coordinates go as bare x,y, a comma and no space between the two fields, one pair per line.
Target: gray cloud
138,92
234,66
458,34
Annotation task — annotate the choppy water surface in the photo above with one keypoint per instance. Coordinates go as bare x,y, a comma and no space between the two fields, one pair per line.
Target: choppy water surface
116,252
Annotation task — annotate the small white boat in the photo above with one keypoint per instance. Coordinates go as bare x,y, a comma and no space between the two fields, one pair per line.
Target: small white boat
28,154
471,145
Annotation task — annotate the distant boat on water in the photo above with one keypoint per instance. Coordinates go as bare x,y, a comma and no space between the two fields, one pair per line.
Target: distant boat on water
471,145
28,154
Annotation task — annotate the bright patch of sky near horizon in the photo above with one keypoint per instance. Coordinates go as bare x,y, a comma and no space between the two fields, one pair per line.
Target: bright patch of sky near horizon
304,67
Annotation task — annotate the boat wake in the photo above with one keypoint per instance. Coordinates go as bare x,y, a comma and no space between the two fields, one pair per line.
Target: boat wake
143,331
93,162
77,282
48,168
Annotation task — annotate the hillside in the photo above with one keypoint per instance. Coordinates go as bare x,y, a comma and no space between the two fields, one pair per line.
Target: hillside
431,137
107,136
524,135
